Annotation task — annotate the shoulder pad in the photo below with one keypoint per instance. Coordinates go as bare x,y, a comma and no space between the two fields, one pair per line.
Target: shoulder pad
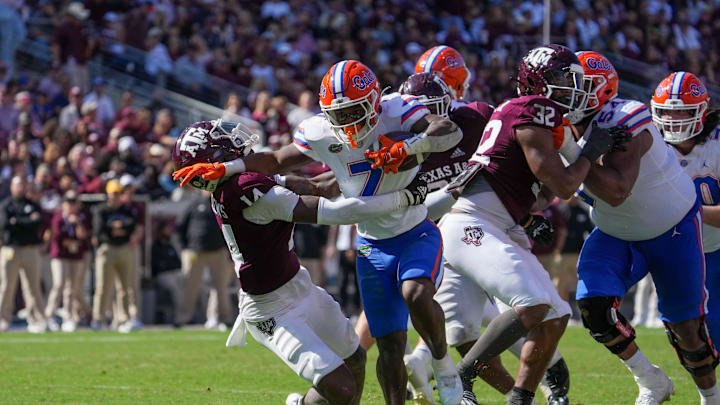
313,128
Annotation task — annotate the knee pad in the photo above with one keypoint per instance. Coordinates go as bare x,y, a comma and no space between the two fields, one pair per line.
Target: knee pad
601,317
705,352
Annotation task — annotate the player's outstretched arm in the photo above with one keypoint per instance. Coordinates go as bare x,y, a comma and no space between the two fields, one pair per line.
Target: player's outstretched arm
282,204
267,163
322,185
544,198
434,134
614,178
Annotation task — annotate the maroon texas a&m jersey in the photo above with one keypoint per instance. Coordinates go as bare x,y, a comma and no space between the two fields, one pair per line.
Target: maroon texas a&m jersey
264,255
441,167
502,157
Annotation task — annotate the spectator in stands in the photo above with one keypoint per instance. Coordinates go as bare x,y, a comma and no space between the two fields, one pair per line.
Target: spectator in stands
234,109
105,107
68,233
158,63
21,220
72,112
12,33
72,44
307,106
114,237
203,248
128,184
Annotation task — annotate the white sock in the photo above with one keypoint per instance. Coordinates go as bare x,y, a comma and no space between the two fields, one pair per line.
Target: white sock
709,395
555,358
640,367
444,366
422,351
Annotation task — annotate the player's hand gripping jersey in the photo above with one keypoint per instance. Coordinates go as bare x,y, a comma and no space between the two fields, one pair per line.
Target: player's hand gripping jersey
314,137
662,193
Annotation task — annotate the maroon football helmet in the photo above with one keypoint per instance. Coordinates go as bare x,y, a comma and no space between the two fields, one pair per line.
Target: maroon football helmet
212,142
430,90
555,72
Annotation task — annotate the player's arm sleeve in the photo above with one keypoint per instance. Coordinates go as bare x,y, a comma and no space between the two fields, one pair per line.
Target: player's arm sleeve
356,209
411,111
277,204
439,203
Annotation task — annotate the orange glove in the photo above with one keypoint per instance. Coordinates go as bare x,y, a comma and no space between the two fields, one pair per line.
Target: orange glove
209,171
389,156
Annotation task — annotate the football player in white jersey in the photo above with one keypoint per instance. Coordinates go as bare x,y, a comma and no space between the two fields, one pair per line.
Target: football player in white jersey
647,220
399,254
684,119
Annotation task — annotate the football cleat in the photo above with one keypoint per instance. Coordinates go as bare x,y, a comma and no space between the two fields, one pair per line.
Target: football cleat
469,398
448,381
656,392
419,374
557,381
294,399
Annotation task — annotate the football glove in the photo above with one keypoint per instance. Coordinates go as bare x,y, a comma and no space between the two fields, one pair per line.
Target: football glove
604,140
208,171
538,228
389,156
417,190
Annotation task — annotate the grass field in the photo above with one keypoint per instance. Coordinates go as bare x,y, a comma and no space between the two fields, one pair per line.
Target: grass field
194,367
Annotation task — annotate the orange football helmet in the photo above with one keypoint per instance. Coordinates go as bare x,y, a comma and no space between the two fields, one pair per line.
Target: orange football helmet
447,63
601,82
681,91
350,101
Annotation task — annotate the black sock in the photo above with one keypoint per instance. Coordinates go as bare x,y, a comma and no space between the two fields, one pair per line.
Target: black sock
499,335
519,396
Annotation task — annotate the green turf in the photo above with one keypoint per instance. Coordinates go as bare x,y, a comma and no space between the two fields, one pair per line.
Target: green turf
194,367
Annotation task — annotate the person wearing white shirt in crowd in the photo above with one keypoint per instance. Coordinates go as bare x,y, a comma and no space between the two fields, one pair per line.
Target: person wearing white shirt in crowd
105,107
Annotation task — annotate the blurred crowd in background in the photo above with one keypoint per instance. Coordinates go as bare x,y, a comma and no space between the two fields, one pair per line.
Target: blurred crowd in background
62,137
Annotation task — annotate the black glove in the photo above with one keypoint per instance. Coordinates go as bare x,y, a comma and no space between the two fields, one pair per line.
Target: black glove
538,228
417,190
604,140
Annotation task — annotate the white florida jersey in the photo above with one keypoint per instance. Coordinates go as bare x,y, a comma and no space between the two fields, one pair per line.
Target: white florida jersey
715,135
315,138
702,164
663,193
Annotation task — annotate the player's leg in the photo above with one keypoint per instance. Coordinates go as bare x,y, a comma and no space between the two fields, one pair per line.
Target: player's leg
386,313
103,286
682,300
336,332
606,267
712,284
465,305
362,329
420,272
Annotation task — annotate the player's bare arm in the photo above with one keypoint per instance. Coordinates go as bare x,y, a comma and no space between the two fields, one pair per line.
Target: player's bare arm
544,198
711,215
268,163
545,163
614,178
322,185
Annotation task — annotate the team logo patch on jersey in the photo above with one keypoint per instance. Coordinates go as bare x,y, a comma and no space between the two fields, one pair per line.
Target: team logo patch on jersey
267,326
364,250
335,148
473,235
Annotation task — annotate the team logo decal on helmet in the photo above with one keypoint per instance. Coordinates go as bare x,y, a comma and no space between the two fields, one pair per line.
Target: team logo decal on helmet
679,107
350,101
449,65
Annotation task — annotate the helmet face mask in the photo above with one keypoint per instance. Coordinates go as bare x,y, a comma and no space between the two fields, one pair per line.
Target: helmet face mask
679,107
352,120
